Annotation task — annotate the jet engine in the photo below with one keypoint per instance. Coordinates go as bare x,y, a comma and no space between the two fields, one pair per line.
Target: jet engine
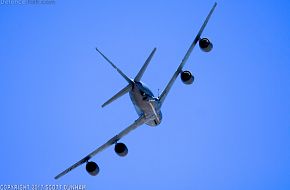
92,168
205,45
186,77
121,149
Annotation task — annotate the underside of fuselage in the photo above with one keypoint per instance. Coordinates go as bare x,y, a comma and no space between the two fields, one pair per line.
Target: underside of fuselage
145,103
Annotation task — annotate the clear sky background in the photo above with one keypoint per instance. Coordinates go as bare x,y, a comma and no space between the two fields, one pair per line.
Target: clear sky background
230,130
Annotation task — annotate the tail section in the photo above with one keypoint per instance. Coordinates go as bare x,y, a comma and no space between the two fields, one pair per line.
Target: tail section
118,95
119,71
130,81
142,70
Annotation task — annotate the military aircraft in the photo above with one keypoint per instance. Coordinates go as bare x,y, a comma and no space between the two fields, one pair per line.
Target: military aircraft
148,107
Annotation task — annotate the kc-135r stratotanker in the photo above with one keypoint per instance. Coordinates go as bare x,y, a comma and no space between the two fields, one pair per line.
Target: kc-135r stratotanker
148,107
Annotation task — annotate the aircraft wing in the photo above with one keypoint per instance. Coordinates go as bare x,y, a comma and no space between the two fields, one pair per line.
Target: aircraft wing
141,120
179,69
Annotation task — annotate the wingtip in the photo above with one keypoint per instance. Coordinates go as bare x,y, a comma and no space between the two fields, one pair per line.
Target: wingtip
104,104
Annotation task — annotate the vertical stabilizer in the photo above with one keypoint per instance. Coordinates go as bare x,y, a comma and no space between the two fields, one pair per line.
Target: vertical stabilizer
119,71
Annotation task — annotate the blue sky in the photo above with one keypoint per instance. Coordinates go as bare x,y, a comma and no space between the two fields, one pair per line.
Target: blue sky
229,130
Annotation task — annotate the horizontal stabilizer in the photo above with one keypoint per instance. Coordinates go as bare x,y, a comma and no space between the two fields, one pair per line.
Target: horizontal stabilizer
142,70
118,95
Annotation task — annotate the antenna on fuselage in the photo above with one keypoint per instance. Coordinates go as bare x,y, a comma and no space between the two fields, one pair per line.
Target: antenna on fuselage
158,92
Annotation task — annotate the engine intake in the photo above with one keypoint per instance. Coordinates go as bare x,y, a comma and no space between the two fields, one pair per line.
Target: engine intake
186,77
92,168
121,149
205,45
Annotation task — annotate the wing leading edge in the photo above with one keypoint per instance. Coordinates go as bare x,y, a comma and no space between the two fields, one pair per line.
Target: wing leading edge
141,120
179,69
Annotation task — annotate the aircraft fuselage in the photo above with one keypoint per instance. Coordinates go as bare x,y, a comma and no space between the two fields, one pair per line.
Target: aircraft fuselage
145,103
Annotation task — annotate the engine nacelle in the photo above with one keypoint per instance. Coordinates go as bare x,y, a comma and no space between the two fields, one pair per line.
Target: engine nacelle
205,45
92,168
121,149
186,77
